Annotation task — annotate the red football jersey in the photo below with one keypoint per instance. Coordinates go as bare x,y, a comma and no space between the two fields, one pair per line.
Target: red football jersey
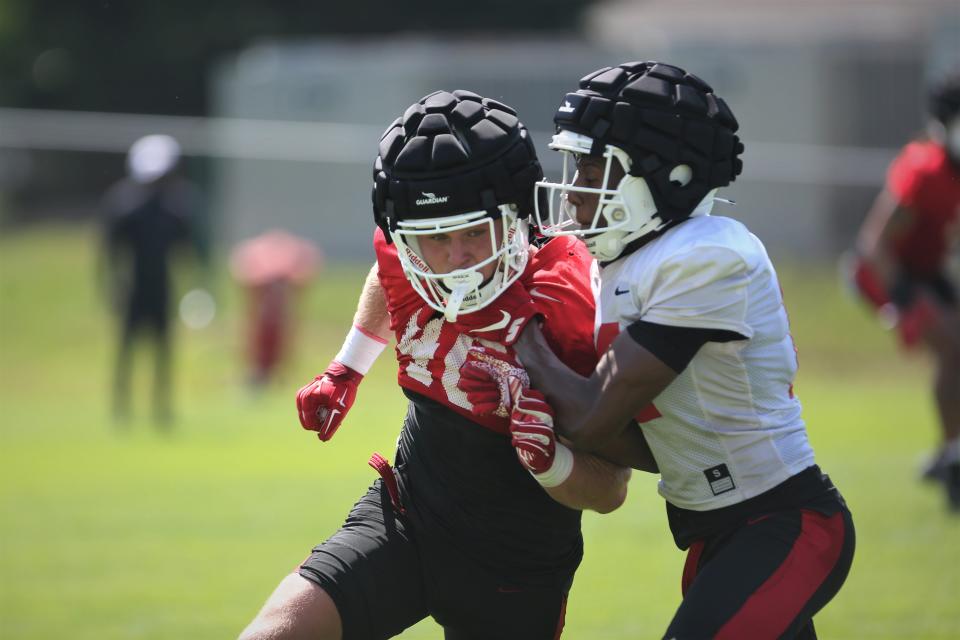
430,351
923,180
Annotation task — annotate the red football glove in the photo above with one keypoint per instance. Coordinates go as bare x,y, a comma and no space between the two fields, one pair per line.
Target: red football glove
492,380
868,284
324,403
914,322
503,320
531,426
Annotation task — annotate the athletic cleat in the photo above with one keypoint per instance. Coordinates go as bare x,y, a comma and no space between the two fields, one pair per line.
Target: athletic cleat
952,482
935,469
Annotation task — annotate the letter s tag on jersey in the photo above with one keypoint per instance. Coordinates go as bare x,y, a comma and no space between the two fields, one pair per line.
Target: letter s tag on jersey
719,479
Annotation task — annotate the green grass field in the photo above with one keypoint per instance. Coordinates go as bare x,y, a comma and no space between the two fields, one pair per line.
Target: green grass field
110,532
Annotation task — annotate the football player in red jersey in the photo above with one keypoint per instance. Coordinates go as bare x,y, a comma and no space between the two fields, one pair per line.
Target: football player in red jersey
904,246
478,524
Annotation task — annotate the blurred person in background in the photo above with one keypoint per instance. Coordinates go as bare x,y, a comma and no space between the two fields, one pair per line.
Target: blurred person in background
273,268
478,524
147,216
695,352
904,248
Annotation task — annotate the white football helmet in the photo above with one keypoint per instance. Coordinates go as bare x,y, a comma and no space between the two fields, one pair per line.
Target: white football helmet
624,213
454,162
152,157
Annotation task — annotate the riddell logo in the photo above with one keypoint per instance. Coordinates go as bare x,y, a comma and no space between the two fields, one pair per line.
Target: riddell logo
432,198
415,259
567,107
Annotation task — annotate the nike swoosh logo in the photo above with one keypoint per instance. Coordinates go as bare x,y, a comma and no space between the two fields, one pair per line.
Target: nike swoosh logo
617,291
342,396
496,325
333,414
536,293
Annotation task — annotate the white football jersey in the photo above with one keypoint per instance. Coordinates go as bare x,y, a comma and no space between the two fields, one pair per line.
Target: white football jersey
728,427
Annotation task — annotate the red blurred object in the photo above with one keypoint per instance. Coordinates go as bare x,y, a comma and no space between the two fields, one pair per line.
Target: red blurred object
272,267
869,284
915,321
912,323
273,256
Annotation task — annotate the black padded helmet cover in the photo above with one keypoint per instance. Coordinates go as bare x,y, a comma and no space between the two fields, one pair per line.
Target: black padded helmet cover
453,153
661,116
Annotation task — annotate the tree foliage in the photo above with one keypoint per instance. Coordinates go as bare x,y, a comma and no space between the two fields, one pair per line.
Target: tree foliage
153,57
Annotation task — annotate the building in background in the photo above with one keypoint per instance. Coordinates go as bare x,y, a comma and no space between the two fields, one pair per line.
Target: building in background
828,89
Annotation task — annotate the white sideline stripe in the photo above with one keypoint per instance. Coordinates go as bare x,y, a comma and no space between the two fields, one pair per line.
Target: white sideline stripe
341,143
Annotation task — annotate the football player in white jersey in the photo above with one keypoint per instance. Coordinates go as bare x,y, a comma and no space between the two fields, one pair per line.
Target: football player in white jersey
695,348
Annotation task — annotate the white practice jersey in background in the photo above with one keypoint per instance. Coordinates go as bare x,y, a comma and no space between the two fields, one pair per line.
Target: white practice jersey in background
728,428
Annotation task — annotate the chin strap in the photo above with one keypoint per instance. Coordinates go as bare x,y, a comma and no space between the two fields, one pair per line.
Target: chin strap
452,308
460,283
388,474
633,245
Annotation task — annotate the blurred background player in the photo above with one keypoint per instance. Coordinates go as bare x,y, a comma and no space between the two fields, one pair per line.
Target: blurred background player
478,525
694,348
904,249
273,268
147,217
